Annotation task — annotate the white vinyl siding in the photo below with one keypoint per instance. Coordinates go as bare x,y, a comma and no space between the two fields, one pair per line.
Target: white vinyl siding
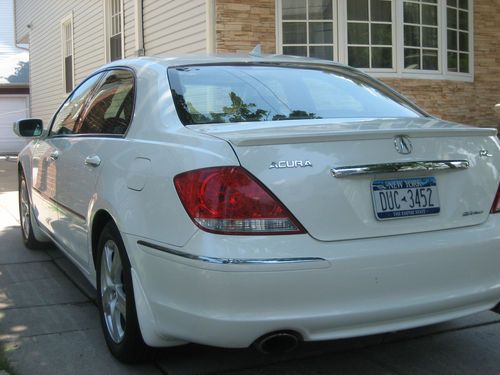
47,87
174,26
129,28
22,19
169,27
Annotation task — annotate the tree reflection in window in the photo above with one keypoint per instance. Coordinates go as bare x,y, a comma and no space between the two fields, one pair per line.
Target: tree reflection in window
265,92
238,111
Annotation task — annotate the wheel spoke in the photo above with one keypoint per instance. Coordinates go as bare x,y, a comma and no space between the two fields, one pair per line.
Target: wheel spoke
116,268
106,297
121,302
114,316
108,258
25,209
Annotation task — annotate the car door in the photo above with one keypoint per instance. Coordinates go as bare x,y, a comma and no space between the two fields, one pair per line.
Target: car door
101,127
46,167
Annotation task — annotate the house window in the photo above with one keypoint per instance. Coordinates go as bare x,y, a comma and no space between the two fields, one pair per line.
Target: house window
457,15
369,34
308,28
114,29
429,39
421,34
67,53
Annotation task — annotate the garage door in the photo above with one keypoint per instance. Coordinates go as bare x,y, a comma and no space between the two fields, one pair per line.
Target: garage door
12,108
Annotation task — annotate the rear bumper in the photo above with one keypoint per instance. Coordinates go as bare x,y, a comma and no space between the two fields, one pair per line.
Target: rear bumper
352,288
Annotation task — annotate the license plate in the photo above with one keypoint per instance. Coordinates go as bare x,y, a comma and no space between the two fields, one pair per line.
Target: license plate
405,197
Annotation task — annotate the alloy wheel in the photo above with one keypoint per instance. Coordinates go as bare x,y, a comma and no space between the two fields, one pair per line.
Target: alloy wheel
25,209
114,300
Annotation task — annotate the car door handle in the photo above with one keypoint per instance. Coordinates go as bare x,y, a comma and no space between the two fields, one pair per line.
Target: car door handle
93,161
54,155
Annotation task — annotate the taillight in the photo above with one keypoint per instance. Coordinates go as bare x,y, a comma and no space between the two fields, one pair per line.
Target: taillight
496,203
230,200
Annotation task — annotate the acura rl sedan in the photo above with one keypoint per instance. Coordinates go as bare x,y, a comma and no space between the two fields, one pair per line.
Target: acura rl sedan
241,200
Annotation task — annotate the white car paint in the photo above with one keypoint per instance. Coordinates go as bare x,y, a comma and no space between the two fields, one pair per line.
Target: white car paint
352,275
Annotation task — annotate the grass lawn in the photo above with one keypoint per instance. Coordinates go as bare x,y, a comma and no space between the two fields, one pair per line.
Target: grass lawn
4,364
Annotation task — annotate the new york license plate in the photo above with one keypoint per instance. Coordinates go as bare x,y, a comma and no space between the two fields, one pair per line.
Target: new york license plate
405,197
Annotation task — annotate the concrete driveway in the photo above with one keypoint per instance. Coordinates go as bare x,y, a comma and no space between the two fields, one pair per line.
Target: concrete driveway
49,325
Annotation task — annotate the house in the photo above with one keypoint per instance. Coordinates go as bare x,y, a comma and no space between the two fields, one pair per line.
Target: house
14,88
443,54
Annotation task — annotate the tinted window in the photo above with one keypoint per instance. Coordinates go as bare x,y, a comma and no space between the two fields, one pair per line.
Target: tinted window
221,94
71,111
110,109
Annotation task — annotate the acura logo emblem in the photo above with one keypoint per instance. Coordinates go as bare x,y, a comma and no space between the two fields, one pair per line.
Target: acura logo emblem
403,144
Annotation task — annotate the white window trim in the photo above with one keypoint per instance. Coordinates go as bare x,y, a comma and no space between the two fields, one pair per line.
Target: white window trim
107,30
66,19
340,44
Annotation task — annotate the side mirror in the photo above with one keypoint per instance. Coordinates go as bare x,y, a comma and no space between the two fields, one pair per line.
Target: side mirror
29,127
497,109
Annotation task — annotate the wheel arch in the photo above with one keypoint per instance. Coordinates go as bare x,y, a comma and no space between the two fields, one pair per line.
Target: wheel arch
100,218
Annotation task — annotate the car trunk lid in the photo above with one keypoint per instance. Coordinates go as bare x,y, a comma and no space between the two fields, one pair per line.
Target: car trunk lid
297,162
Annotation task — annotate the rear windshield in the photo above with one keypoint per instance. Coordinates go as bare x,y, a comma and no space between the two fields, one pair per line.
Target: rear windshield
241,93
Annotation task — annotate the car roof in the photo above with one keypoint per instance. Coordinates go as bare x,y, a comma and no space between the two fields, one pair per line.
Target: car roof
206,59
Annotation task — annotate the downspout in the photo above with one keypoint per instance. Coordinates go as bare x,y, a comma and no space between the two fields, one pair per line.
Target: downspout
139,29
211,24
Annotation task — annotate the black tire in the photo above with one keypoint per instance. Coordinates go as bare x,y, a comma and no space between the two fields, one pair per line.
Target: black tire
121,331
25,216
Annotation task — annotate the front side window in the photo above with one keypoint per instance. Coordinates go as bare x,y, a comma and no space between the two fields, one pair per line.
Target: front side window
71,111
225,94
114,29
401,38
110,109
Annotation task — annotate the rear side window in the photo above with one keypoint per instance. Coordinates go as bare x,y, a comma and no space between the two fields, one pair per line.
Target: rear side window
71,111
111,108
241,93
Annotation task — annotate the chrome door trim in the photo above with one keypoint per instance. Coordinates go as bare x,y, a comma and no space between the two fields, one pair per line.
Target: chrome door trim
430,165
232,261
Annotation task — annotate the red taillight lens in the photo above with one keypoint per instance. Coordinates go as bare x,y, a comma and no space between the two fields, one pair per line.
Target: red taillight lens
230,200
496,203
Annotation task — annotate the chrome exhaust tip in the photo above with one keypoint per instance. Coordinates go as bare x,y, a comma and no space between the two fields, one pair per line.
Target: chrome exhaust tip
278,342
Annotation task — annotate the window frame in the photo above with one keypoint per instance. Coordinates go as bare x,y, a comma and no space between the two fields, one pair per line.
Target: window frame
64,21
398,71
108,27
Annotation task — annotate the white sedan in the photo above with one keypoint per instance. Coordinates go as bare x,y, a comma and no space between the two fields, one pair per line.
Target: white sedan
232,201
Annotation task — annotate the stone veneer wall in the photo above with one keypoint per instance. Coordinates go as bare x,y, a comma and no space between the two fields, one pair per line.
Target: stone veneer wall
242,24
